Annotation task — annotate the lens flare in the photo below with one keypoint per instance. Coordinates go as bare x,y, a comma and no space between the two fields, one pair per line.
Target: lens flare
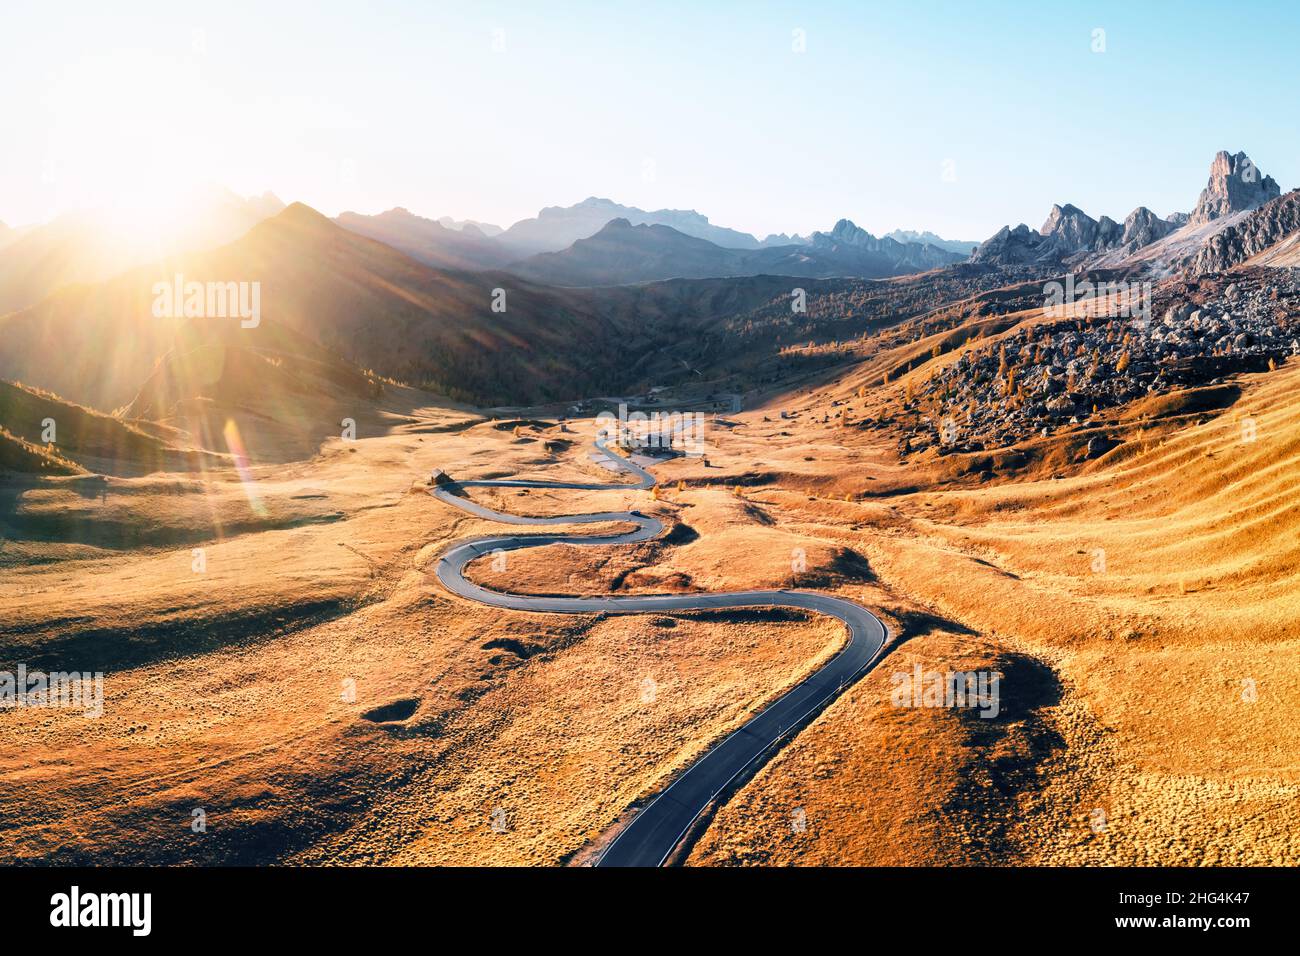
236,445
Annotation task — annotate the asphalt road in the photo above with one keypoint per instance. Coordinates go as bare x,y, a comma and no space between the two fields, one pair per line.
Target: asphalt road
657,828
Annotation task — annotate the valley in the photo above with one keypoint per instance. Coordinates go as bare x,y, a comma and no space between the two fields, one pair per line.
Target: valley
281,544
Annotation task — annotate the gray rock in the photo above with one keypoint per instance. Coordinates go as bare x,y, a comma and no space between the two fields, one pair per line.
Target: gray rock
1235,185
1098,445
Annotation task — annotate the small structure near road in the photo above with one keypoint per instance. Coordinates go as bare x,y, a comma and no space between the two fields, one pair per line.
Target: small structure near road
440,477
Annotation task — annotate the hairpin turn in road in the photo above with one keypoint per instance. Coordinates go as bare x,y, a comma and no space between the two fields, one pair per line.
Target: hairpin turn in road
658,827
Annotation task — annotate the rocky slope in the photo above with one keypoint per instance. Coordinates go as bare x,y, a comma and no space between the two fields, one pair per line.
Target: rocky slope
1274,224
1040,377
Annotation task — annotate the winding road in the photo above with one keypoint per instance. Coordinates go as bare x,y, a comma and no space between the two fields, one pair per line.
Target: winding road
657,828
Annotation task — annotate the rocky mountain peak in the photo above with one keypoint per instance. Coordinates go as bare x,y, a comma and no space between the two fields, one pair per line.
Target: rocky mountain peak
1069,229
847,231
1069,213
1143,227
1235,185
1010,246
781,239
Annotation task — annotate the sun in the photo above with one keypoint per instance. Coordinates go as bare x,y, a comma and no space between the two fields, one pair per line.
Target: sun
155,211
124,143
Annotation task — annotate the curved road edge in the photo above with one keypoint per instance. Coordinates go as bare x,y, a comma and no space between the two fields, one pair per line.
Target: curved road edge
655,831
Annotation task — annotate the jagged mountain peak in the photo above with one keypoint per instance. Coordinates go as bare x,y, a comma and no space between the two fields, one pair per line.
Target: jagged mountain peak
846,230
1064,216
1235,185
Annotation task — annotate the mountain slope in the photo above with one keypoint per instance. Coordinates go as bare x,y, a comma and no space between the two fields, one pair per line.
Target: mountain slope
358,298
428,240
81,437
621,253
88,247
1267,236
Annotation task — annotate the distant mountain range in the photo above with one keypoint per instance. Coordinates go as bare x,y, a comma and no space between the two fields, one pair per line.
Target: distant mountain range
558,227
849,244
486,228
959,246
600,242
329,295
623,252
1071,236
410,297
361,301
357,298
1069,231
429,241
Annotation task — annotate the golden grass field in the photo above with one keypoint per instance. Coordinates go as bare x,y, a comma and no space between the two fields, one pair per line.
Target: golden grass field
319,697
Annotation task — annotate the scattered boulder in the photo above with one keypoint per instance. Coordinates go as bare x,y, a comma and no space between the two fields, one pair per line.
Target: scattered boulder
1098,445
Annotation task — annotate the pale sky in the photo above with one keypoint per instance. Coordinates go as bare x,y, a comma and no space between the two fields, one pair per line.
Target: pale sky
705,106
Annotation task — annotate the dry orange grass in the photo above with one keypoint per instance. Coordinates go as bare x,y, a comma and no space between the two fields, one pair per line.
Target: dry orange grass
1160,591
318,697
1147,688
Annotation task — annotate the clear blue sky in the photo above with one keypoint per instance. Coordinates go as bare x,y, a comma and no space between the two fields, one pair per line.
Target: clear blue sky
369,105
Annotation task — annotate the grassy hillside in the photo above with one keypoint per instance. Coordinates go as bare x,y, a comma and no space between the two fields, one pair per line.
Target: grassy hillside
17,454
82,435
